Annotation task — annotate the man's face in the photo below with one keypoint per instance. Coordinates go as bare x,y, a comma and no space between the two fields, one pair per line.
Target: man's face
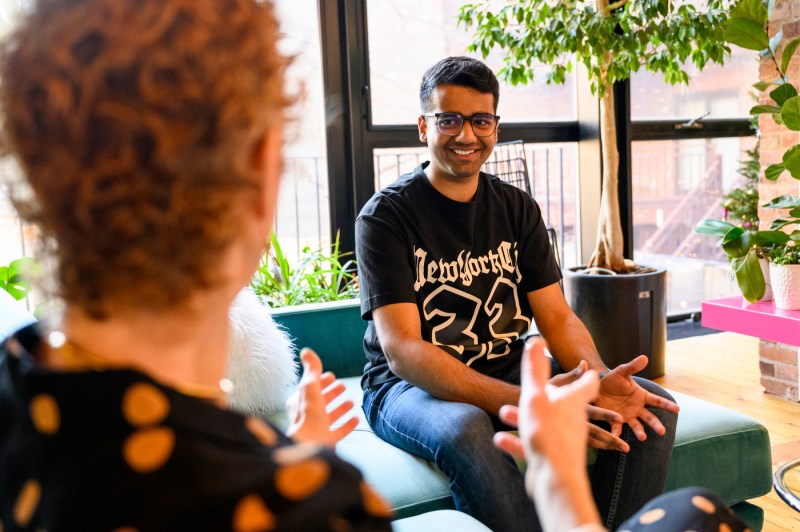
457,158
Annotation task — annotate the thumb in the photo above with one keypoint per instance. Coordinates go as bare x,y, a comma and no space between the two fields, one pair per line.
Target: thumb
312,365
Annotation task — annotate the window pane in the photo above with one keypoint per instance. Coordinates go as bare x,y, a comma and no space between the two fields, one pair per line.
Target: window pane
722,91
675,185
303,213
551,176
406,38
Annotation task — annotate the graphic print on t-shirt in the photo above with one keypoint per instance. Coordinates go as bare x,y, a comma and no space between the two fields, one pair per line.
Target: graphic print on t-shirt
460,322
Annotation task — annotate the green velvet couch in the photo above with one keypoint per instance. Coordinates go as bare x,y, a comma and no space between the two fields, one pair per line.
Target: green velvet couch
715,447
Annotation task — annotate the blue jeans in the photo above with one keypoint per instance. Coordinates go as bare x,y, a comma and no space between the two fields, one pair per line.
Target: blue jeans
486,483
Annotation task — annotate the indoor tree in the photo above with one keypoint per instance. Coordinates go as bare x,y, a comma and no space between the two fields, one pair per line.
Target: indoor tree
612,40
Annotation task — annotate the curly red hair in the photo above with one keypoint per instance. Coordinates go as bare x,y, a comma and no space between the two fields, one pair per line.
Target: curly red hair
135,124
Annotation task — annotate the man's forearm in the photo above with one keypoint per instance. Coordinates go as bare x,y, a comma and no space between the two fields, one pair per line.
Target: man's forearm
431,369
573,343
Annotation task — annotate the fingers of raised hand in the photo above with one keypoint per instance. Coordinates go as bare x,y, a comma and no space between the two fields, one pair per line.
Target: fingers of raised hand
343,430
637,428
311,362
509,443
603,414
605,440
652,421
570,376
661,402
509,414
332,391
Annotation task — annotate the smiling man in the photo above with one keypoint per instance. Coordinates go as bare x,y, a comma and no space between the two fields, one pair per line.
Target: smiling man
454,264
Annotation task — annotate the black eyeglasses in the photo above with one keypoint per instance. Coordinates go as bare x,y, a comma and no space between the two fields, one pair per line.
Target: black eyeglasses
450,124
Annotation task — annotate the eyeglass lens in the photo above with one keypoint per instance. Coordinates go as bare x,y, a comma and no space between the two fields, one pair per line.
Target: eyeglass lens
451,123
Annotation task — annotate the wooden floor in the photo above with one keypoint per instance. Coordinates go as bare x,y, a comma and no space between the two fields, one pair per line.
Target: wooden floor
723,369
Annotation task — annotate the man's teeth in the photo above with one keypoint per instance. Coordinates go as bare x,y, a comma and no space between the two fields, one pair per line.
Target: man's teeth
463,152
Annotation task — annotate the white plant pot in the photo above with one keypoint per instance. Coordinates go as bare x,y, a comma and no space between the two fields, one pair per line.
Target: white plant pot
785,285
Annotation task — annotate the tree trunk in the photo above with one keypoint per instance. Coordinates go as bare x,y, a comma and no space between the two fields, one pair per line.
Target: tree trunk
609,246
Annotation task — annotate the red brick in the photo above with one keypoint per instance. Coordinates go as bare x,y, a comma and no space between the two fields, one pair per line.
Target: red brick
786,372
783,353
791,29
780,389
767,368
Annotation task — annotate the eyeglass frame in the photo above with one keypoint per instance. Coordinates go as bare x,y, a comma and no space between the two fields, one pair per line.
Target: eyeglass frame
463,120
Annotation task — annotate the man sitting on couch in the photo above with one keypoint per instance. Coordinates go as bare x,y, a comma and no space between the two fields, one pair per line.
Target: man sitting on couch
453,265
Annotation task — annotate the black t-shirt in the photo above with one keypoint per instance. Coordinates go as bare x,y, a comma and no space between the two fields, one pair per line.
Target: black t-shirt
116,450
467,266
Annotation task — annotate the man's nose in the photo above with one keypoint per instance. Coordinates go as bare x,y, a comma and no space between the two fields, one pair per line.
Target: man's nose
467,134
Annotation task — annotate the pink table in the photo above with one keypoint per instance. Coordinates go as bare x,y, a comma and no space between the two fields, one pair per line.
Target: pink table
761,319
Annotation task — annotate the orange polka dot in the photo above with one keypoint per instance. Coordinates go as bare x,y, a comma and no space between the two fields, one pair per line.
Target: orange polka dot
144,404
703,504
45,414
27,501
302,480
148,449
724,528
291,454
374,503
652,516
337,523
251,514
261,431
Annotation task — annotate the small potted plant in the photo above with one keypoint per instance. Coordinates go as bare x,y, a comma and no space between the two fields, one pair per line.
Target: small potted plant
784,270
318,276
749,249
316,298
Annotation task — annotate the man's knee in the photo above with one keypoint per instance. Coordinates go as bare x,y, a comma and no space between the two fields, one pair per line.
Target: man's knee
469,427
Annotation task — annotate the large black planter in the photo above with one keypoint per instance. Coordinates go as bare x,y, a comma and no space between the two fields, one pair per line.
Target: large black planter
625,314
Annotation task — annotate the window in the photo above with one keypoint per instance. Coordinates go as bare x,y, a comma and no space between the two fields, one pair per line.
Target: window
406,38
680,171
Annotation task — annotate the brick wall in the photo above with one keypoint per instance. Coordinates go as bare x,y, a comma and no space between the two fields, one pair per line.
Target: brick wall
779,362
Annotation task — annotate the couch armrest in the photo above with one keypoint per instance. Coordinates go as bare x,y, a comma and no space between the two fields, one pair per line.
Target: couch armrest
334,330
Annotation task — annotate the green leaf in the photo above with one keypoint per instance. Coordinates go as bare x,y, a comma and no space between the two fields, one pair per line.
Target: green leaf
791,159
749,276
747,33
710,226
786,201
788,52
761,86
774,171
790,113
783,93
763,109
736,242
765,239
753,10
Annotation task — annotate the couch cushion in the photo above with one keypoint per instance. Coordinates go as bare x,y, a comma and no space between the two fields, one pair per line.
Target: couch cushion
410,484
720,449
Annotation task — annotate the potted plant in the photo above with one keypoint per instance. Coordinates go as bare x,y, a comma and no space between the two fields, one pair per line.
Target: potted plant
748,251
784,270
316,298
319,276
612,39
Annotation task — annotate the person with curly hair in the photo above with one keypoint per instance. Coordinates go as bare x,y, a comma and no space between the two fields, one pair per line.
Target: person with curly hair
149,136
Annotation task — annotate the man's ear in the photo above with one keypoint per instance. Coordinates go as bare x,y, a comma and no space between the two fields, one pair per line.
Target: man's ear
422,126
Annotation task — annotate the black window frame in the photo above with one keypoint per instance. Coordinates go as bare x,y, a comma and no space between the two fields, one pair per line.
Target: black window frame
351,136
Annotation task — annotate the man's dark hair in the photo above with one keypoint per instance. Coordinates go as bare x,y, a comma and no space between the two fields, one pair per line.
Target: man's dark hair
460,71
